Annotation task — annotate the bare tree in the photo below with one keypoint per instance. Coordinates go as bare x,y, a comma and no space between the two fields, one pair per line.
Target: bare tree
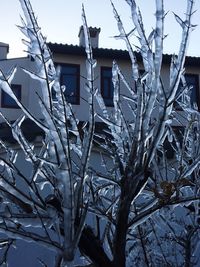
141,207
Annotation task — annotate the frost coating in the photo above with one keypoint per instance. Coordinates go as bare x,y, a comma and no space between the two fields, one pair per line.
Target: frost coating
124,195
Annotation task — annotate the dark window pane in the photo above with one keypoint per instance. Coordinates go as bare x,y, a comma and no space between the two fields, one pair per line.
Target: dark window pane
69,69
7,101
70,77
192,82
107,73
107,85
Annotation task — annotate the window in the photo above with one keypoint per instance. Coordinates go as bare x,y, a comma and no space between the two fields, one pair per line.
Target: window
107,85
70,77
7,101
192,81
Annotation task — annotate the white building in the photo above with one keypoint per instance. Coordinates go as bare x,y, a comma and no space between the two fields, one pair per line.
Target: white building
72,61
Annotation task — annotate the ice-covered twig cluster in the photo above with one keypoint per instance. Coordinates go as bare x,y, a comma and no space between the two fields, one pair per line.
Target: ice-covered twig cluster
54,194
147,189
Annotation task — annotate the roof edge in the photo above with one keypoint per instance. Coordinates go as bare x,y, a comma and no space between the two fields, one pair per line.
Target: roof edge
111,53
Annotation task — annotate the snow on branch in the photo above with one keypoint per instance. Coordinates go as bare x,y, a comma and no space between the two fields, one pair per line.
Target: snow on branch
101,188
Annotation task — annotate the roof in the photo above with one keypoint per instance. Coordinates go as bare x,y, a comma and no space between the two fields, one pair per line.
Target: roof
4,45
80,51
111,53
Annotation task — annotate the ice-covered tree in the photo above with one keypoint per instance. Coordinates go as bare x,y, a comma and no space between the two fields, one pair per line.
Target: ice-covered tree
141,207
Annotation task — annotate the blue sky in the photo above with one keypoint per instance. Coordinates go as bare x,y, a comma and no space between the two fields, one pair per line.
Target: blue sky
60,21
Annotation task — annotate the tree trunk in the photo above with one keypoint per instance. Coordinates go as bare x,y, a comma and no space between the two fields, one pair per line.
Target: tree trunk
92,248
122,227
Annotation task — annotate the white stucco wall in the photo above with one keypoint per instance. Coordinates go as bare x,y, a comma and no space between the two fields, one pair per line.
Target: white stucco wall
30,87
20,78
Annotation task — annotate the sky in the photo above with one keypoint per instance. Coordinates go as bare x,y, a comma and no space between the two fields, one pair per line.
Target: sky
60,21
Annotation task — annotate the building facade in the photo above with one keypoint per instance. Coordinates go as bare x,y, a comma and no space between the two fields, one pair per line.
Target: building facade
73,75
72,58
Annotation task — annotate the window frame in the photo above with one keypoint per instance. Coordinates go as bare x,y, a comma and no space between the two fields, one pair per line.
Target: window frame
77,79
102,86
4,95
196,77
